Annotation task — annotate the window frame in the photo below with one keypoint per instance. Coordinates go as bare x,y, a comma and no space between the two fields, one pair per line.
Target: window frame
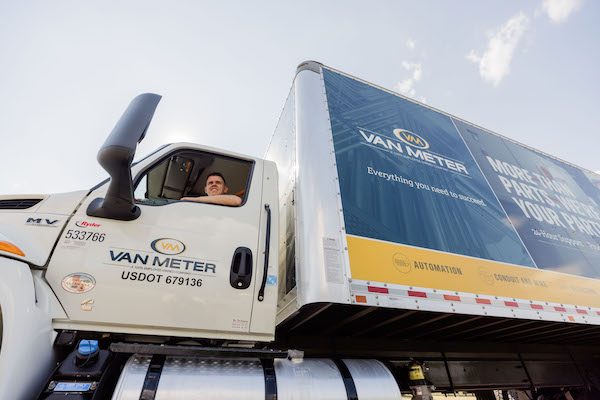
168,155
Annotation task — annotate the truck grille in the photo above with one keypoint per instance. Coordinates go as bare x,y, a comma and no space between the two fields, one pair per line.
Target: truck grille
18,204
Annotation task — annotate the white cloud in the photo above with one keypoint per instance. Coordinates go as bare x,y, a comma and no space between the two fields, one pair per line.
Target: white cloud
559,10
494,63
410,43
407,86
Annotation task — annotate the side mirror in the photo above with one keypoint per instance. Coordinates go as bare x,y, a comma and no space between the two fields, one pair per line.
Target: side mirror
116,156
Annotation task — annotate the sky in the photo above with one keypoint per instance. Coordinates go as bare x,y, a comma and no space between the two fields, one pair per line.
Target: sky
526,70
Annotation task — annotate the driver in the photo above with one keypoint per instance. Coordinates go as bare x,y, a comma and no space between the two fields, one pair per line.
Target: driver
216,190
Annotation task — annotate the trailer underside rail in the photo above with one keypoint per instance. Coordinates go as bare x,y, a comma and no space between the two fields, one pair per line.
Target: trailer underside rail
460,352
373,322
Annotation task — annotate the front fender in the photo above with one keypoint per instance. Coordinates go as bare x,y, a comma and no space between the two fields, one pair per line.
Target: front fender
26,355
35,230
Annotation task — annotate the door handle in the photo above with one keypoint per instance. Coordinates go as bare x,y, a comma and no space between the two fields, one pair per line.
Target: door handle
241,268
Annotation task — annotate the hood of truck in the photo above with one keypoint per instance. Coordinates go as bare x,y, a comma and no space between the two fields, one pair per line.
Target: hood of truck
32,223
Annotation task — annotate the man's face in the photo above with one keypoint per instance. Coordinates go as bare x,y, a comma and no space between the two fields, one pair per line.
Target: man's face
215,186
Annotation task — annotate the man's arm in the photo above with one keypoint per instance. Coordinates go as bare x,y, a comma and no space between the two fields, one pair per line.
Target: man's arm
223,199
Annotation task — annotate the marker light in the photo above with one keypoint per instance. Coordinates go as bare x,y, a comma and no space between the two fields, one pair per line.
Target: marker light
11,248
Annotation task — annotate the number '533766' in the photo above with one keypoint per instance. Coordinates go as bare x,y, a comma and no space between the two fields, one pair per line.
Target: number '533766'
85,235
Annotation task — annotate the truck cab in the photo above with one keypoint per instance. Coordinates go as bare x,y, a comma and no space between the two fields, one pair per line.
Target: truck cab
179,261
158,266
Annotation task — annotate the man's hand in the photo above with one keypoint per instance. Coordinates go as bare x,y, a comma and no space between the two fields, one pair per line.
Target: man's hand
223,199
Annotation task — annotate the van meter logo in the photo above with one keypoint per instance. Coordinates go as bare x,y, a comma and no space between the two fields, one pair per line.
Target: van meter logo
168,246
413,147
411,139
401,263
78,283
85,224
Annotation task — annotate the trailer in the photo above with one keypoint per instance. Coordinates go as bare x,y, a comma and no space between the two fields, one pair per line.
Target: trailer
380,247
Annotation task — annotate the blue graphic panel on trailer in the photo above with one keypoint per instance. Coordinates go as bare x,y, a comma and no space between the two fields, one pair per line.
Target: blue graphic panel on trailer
553,205
406,176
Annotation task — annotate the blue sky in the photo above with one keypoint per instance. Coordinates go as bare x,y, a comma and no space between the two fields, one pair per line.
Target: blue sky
527,70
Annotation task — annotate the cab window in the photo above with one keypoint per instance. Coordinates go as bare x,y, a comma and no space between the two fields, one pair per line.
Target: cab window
184,175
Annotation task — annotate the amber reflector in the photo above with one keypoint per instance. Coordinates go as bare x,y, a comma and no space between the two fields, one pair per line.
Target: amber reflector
11,248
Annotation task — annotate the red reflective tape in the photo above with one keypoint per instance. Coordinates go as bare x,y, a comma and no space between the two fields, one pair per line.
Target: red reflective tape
417,294
511,304
537,307
581,311
451,297
562,309
598,312
483,301
375,289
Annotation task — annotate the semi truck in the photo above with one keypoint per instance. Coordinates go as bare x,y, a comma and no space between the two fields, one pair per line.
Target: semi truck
381,247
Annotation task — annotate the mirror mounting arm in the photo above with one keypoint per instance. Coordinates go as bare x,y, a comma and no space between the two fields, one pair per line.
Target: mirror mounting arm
116,156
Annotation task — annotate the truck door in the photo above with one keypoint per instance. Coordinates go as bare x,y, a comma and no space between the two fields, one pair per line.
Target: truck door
181,266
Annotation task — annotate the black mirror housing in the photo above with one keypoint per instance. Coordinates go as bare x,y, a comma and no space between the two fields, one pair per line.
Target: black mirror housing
116,156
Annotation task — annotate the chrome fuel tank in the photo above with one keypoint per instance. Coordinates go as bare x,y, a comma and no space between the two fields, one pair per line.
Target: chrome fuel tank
183,378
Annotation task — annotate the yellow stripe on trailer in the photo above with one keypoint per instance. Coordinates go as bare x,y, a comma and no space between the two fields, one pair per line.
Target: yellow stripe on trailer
379,261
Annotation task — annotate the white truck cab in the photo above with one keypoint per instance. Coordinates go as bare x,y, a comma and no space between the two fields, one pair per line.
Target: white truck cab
178,262
130,257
